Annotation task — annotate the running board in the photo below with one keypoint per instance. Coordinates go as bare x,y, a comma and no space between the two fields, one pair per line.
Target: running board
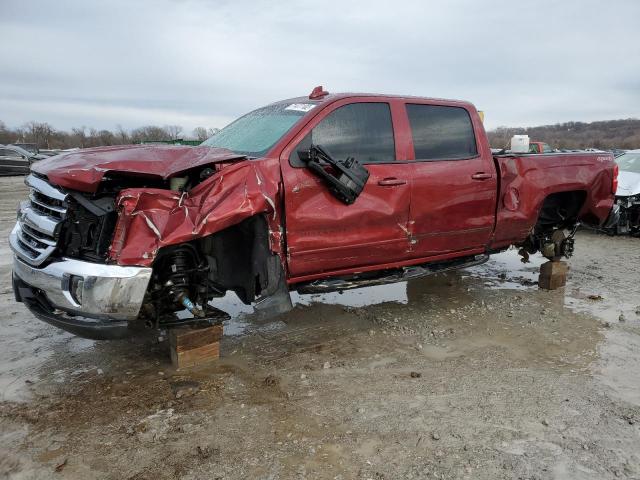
388,276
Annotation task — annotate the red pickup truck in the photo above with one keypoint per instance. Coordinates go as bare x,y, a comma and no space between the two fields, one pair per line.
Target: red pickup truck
318,193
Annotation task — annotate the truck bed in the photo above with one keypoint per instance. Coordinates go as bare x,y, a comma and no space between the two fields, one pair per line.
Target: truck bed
526,180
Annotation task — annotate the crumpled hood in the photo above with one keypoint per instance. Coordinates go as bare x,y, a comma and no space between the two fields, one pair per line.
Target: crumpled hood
628,184
83,169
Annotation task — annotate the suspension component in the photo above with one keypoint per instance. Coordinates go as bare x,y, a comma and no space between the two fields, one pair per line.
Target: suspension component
181,266
558,245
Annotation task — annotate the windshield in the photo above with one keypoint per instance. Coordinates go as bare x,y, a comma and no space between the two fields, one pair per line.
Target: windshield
256,132
629,162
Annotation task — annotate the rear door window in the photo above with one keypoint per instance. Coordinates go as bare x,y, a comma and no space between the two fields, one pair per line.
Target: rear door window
441,133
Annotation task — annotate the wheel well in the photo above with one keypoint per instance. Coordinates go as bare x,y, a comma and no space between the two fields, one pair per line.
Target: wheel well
240,259
560,210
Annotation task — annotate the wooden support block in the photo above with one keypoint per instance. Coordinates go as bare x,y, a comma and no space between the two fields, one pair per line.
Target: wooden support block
553,275
193,346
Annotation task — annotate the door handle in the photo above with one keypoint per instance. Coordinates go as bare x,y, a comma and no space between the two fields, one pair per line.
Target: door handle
391,181
481,176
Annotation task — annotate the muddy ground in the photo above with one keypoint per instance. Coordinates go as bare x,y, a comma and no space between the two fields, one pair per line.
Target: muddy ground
472,374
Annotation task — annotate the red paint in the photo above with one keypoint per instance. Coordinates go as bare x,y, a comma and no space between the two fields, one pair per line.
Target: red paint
534,177
410,211
152,218
83,169
453,202
317,92
324,234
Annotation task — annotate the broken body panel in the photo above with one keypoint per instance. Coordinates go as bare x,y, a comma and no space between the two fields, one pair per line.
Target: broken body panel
433,213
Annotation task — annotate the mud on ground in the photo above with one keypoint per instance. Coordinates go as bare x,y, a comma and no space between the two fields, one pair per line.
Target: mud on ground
472,374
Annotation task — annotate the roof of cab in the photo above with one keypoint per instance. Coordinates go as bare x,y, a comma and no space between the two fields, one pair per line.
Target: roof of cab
332,97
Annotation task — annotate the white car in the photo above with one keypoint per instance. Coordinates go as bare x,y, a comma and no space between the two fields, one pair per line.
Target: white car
628,194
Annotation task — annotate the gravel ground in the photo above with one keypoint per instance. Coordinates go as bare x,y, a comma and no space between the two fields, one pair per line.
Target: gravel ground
472,374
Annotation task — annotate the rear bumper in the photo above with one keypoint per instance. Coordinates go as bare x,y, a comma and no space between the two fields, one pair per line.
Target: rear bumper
87,299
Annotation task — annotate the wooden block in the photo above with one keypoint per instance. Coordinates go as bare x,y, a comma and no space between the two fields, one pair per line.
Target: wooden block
553,275
193,346
196,356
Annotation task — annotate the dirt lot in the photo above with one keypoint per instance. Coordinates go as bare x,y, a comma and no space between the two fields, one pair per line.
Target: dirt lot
473,374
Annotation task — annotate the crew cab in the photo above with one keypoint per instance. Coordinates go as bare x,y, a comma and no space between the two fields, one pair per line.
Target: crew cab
314,194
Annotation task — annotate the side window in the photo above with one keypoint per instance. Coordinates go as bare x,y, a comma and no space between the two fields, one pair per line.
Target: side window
441,133
11,153
360,130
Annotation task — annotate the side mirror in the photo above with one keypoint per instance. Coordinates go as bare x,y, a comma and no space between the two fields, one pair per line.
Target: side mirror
300,155
303,155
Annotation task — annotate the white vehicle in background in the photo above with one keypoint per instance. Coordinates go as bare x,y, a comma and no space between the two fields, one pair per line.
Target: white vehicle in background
628,194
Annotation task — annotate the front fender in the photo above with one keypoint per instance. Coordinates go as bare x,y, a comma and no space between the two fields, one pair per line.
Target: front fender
149,219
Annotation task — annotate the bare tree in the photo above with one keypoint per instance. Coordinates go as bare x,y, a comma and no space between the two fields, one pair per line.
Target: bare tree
149,133
200,133
122,137
80,134
106,137
173,131
38,133
6,135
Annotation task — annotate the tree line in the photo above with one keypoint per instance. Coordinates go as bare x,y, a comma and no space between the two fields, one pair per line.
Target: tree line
571,135
575,135
47,137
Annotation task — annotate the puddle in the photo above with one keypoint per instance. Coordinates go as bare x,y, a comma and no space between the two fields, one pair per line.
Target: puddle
243,320
506,271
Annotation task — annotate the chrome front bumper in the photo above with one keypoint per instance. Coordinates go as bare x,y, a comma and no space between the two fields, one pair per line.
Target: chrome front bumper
82,297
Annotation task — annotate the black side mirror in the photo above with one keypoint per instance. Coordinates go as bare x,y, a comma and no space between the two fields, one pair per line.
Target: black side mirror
303,155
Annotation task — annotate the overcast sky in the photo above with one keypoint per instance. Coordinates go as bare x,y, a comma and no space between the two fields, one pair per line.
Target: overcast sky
203,63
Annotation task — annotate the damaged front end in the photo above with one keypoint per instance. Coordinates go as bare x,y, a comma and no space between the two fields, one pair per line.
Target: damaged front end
628,222
60,272
138,249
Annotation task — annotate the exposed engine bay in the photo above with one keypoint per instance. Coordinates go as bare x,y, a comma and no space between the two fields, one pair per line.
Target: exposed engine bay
90,218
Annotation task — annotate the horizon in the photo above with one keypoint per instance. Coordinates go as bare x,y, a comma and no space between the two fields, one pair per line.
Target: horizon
188,134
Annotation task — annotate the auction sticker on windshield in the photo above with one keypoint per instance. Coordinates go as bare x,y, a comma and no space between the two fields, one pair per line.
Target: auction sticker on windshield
300,107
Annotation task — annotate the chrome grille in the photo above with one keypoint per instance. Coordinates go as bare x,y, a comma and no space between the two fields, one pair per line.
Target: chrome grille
35,236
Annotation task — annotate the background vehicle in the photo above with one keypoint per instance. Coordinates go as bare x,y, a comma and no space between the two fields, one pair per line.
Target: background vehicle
15,160
540,147
628,194
29,147
618,151
319,193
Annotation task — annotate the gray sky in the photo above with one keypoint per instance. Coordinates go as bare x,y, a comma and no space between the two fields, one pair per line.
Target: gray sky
203,63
